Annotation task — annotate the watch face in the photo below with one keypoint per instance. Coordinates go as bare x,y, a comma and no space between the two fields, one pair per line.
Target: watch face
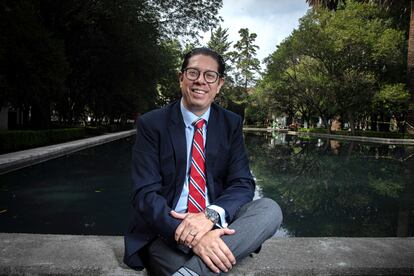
212,215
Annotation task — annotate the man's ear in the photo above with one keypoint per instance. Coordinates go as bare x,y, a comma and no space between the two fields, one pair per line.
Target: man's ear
180,76
220,85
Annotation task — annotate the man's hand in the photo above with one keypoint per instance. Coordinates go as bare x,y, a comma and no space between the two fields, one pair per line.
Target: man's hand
192,228
214,252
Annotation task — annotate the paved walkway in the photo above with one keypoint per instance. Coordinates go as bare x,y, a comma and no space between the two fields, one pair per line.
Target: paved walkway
28,254
16,160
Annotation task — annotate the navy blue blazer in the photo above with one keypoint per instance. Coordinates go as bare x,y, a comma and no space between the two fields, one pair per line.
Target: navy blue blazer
158,172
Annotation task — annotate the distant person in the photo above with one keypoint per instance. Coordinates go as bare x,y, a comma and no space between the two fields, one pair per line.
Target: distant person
336,124
393,124
192,186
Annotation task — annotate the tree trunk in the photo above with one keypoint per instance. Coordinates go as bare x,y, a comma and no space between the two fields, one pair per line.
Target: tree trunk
40,116
410,72
351,122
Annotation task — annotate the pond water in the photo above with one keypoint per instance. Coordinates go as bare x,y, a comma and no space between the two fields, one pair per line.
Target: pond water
325,188
336,188
86,192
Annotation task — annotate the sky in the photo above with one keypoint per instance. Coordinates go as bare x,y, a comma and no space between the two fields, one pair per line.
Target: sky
271,20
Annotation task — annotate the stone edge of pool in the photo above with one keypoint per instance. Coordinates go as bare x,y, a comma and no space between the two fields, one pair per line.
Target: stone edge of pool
39,254
20,159
339,137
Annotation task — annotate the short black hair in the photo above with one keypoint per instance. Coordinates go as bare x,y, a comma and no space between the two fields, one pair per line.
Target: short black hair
206,52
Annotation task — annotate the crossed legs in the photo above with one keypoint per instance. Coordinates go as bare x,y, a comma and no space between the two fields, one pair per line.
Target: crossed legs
255,222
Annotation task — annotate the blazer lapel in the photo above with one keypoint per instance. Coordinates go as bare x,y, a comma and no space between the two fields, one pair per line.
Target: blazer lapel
176,131
212,147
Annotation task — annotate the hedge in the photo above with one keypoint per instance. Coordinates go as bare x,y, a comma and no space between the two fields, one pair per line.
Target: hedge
14,140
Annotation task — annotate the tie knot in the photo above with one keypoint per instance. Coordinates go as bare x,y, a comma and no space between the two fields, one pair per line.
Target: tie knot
199,123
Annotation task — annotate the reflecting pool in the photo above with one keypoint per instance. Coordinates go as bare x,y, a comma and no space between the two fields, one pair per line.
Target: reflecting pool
325,188
86,192
336,188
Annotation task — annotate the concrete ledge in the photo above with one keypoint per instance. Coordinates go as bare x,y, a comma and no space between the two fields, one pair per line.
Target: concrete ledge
389,141
17,160
29,254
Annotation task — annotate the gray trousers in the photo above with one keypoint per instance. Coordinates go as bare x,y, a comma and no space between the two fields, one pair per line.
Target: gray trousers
255,222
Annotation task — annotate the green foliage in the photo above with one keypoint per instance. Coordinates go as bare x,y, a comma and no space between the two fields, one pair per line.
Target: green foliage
33,62
185,17
334,64
168,86
244,57
219,43
255,115
23,139
392,98
398,11
103,59
241,66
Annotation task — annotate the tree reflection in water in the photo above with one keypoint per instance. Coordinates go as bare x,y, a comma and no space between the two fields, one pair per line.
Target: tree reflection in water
336,188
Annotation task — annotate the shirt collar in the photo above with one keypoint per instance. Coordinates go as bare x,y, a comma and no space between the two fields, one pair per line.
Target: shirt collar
189,117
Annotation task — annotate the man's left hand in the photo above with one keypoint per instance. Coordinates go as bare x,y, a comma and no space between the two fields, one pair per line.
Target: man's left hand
192,228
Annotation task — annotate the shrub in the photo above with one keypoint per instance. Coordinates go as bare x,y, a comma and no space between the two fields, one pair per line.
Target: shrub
14,140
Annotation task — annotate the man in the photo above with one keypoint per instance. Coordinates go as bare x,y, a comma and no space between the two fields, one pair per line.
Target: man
192,186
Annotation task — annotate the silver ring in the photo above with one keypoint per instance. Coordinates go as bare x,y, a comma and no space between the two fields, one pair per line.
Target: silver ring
193,234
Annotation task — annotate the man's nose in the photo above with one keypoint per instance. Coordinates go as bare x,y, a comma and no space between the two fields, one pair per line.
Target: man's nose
201,79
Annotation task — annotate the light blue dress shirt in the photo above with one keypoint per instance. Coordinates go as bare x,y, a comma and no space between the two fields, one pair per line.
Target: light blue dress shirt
189,118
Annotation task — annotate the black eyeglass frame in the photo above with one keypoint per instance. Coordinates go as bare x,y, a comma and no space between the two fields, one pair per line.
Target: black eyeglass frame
185,72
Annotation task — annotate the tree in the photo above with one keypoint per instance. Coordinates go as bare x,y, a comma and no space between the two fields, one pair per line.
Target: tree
108,49
410,70
329,4
405,21
168,87
392,98
333,63
219,43
33,62
102,59
185,18
246,62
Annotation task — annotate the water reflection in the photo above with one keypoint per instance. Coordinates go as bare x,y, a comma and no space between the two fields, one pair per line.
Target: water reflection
325,188
336,188
86,192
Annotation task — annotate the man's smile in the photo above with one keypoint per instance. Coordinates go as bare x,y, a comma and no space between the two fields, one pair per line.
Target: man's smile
199,91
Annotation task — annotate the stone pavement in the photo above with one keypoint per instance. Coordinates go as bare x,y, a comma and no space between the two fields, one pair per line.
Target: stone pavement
35,254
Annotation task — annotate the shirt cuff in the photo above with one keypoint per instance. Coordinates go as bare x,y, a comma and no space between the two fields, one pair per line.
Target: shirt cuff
222,213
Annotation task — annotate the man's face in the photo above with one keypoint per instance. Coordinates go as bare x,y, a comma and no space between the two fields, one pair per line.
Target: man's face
199,94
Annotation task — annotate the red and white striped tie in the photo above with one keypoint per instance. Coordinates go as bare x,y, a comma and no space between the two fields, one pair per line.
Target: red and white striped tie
197,183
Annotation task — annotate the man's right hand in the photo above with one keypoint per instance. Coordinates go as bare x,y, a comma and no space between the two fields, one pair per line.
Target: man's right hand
214,252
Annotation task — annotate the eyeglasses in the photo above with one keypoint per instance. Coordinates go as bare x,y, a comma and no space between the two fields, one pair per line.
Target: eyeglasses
193,74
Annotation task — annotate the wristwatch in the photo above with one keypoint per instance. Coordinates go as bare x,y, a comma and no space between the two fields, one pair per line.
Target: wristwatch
212,215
